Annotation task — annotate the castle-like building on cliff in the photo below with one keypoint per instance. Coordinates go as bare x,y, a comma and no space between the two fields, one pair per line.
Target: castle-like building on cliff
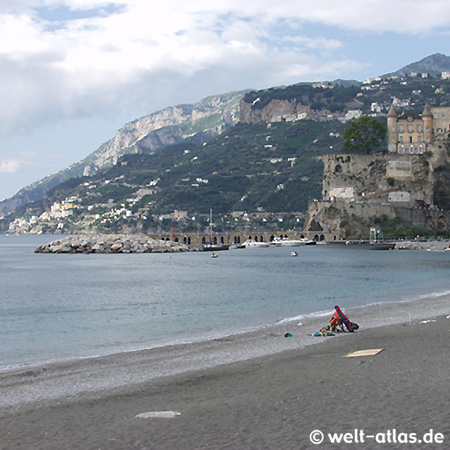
413,133
397,184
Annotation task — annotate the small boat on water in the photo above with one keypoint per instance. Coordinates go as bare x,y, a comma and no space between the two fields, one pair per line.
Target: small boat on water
251,243
209,247
212,246
214,255
294,254
286,242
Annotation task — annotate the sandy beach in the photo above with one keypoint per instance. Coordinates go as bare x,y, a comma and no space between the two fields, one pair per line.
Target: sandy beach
258,390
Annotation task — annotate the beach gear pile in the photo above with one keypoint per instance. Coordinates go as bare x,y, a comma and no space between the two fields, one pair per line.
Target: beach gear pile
339,323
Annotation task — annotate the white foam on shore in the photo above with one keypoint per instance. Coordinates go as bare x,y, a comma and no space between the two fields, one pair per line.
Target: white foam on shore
321,317
94,376
314,315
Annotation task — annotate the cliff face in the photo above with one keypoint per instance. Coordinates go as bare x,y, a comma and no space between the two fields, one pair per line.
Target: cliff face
277,110
169,126
198,122
358,189
404,180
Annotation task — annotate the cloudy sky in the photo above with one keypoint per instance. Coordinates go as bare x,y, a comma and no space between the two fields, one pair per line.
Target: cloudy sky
72,72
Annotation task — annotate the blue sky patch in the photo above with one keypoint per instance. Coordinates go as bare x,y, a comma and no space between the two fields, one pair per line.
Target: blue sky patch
56,16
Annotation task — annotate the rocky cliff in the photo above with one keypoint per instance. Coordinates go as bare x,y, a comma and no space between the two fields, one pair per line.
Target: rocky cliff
359,191
151,133
198,123
277,110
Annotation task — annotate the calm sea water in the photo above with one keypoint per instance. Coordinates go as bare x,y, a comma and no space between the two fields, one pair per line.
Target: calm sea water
58,307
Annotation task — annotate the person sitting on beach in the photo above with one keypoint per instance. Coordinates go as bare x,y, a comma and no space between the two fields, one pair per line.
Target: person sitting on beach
334,323
337,325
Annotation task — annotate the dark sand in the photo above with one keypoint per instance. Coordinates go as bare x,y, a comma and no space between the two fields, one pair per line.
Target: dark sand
272,399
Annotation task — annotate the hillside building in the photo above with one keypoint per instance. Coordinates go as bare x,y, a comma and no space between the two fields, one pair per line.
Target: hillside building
412,133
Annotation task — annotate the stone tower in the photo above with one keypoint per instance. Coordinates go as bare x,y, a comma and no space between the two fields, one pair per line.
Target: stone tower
427,118
392,130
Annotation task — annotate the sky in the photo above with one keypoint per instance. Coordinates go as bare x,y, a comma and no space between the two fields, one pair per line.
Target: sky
73,72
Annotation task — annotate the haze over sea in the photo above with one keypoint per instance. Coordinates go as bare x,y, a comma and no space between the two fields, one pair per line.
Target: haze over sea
64,307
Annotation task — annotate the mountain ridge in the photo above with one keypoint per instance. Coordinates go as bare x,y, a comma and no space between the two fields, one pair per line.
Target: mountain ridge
433,64
194,124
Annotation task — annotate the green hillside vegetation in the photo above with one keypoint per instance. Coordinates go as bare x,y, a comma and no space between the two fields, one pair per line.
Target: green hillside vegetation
417,90
273,168
318,98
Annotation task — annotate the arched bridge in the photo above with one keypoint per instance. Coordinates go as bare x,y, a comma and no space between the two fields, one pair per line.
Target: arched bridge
198,239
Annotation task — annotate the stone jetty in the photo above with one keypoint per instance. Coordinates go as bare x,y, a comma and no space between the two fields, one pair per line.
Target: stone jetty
433,246
112,243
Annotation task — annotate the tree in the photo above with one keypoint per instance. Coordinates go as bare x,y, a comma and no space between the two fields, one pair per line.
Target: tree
364,135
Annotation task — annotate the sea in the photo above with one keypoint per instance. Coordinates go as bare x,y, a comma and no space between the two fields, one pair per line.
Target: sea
62,307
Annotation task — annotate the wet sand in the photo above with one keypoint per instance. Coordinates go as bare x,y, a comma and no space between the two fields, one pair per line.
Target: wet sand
259,390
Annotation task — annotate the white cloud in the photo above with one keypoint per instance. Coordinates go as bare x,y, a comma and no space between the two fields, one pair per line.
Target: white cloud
10,166
320,43
79,58
78,63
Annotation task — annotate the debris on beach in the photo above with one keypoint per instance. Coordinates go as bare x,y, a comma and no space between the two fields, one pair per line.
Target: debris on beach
322,334
370,352
158,414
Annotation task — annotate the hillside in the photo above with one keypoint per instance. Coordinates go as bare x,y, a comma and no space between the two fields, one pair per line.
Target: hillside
211,116
248,168
183,123
326,101
433,65
267,164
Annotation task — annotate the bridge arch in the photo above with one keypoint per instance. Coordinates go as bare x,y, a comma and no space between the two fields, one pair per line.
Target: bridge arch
442,223
429,222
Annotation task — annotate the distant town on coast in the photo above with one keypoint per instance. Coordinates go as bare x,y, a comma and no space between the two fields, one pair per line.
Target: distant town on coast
267,163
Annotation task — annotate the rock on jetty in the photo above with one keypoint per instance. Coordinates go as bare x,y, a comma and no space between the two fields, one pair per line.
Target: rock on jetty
111,243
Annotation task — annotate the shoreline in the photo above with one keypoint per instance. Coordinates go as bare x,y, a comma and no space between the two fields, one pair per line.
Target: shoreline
275,401
317,319
91,378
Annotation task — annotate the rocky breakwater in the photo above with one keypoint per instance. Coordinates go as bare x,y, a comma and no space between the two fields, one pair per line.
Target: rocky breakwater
111,243
433,246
